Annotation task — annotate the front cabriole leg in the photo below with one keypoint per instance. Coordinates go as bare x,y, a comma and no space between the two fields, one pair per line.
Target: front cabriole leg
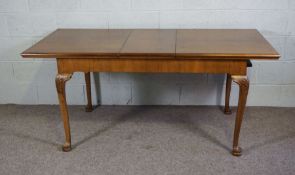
243,83
60,81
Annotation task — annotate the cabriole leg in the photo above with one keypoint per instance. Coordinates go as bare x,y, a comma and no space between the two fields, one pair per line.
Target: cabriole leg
88,92
227,109
60,81
243,83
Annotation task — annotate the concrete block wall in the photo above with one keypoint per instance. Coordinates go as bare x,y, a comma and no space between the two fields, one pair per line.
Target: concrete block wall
31,81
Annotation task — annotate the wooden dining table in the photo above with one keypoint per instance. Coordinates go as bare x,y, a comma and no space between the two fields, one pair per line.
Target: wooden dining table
212,51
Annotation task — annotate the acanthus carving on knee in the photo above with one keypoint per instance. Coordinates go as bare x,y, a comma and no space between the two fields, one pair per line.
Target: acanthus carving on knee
60,80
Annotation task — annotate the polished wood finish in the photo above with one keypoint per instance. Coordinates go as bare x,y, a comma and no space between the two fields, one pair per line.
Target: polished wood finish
60,82
243,83
227,109
154,50
149,43
66,65
220,44
223,44
81,43
89,107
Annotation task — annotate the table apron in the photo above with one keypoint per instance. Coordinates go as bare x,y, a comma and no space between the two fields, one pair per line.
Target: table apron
71,65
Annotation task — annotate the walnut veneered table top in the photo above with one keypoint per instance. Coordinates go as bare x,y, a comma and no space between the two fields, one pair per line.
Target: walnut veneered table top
154,43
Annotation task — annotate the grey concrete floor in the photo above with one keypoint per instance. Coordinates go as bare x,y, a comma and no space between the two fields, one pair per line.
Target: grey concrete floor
145,140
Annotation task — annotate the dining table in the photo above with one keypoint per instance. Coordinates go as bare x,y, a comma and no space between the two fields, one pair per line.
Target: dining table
210,51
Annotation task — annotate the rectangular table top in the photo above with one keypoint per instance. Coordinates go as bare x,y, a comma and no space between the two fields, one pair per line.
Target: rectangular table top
154,43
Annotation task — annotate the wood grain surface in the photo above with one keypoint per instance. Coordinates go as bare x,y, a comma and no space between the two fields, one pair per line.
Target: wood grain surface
223,43
150,42
154,44
82,43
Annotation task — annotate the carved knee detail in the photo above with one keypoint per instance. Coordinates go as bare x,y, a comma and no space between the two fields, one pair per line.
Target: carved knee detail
242,81
60,80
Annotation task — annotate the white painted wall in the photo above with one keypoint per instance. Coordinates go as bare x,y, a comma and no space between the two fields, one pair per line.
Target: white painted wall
31,81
